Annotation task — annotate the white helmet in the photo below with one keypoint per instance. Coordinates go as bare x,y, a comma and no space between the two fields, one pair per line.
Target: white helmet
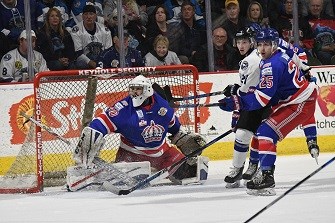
141,81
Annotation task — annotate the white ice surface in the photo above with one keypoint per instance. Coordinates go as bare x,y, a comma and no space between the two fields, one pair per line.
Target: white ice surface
312,201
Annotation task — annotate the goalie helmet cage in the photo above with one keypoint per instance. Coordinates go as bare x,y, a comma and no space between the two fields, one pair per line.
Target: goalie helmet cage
66,101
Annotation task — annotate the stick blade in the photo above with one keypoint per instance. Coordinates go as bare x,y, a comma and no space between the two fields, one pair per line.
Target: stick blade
114,189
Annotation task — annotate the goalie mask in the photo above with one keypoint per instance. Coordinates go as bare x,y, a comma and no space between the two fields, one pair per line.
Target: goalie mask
140,88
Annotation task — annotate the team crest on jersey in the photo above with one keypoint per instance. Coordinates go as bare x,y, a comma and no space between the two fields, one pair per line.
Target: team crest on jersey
75,29
112,112
18,65
244,65
7,57
153,132
142,123
37,64
162,111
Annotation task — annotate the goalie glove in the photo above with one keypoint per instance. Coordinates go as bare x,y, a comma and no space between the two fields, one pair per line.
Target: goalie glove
188,142
90,143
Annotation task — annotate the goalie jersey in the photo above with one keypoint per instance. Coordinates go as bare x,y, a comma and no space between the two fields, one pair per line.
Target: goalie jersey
143,129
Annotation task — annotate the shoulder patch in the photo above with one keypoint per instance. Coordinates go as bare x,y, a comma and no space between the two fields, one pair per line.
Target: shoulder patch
112,112
244,65
75,29
7,57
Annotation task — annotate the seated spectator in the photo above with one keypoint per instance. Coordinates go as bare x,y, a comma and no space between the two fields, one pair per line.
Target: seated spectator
316,11
110,58
193,35
224,59
12,19
255,14
14,64
284,26
158,25
44,5
55,42
234,21
173,8
90,38
135,13
327,7
78,7
161,55
323,26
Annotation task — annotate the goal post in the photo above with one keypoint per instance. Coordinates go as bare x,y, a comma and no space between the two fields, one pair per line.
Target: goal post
66,100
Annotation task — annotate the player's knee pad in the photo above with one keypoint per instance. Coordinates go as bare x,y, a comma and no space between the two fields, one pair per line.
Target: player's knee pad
90,143
191,173
243,136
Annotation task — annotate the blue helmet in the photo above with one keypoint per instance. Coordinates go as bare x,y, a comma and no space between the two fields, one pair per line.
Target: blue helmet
256,27
268,34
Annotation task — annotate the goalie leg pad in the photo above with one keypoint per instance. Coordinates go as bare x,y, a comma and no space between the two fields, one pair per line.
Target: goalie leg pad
188,142
80,177
191,174
90,143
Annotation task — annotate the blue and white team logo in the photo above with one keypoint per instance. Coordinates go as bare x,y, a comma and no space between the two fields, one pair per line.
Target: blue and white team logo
153,132
244,65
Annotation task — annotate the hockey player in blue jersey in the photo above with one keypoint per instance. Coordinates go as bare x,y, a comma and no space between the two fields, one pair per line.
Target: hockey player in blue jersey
292,98
245,123
248,121
143,119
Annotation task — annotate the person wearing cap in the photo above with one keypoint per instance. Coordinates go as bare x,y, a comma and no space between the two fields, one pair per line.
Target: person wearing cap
90,38
77,10
110,58
234,21
14,64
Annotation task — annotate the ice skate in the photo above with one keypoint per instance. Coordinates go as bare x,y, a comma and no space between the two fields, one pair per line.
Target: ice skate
262,185
234,177
251,171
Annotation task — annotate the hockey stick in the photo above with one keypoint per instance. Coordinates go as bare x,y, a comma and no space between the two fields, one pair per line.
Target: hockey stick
167,91
291,189
46,128
170,99
164,172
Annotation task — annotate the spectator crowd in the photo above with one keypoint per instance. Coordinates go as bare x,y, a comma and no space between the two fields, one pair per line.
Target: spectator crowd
83,34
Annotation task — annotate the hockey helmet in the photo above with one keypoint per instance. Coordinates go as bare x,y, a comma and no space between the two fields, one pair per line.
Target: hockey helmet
245,33
147,90
268,34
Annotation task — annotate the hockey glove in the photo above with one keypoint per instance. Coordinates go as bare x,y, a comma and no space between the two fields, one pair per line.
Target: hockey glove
231,90
308,75
234,119
230,103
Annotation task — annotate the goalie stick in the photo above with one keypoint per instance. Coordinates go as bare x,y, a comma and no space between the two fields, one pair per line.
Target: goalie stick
291,189
164,172
116,173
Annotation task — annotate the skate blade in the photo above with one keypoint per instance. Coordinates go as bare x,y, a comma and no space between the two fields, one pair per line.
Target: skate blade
262,192
236,184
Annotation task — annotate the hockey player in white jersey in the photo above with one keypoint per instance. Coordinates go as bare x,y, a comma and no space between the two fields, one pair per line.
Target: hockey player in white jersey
14,64
245,123
90,38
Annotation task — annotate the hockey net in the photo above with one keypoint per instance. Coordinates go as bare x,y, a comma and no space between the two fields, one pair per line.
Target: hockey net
66,101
